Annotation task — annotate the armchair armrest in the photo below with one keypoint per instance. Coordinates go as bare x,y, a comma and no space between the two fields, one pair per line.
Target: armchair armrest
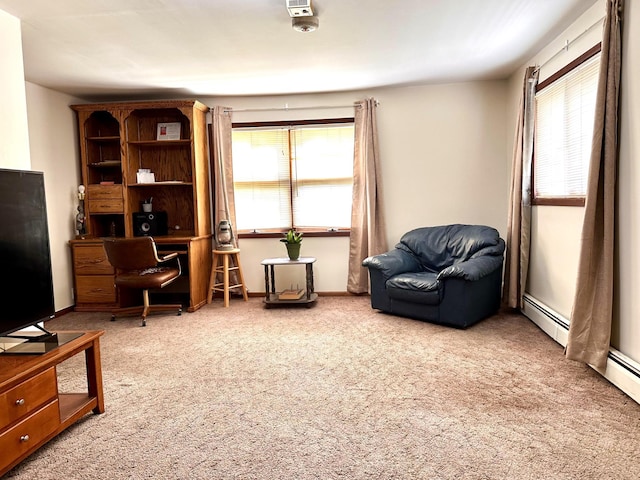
392,263
473,269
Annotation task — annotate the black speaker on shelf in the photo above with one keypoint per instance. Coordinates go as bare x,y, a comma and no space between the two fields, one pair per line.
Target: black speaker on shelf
150,224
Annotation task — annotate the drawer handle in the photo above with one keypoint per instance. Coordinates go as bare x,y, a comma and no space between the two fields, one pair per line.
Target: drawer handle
24,438
20,402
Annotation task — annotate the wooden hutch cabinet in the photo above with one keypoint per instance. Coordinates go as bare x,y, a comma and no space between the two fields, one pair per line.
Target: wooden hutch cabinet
117,140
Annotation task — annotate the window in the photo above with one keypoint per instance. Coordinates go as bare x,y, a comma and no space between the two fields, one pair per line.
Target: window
293,176
565,110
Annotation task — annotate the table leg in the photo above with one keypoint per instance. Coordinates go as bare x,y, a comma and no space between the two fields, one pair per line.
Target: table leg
266,283
309,268
94,374
273,280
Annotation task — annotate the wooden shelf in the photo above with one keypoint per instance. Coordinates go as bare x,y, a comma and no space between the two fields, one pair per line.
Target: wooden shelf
167,183
106,163
159,143
115,138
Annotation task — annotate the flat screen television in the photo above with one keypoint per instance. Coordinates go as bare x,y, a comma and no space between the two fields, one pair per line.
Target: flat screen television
26,285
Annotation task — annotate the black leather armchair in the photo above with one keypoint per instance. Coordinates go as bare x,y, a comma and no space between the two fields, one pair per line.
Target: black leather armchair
450,274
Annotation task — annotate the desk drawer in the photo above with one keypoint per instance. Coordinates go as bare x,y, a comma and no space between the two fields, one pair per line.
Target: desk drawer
95,289
91,260
27,397
28,434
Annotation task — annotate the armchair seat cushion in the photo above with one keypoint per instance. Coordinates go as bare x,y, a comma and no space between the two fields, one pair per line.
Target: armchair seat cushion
419,287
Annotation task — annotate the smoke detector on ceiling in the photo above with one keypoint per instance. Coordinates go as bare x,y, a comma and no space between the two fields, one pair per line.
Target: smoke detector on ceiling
299,8
304,24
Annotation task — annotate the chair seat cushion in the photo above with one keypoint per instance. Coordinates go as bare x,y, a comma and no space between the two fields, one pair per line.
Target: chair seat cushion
155,277
418,287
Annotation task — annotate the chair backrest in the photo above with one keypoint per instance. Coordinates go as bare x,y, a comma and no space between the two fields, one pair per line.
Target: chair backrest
131,253
441,246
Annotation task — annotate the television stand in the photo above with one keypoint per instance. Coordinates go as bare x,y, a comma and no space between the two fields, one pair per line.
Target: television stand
32,409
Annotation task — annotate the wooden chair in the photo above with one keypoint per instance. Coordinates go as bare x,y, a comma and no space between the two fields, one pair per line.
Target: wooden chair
138,266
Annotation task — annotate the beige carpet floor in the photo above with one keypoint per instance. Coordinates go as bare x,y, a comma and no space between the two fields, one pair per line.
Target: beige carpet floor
337,391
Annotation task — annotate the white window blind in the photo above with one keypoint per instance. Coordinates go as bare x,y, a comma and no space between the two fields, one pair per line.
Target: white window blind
564,126
299,176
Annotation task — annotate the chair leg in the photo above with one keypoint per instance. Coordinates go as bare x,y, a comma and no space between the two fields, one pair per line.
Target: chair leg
146,309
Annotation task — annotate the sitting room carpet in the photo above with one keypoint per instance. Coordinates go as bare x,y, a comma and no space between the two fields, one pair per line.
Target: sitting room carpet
337,391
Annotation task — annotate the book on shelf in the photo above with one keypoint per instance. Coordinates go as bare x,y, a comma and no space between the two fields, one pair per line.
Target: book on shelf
291,294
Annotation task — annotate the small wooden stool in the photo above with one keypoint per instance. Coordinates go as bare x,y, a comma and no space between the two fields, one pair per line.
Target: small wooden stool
221,262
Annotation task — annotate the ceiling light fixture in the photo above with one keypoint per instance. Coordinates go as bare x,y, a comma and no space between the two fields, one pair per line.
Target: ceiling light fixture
304,24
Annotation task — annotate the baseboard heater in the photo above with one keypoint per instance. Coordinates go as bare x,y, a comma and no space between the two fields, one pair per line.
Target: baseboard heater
622,371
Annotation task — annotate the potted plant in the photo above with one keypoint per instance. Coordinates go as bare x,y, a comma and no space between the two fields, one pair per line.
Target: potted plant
292,240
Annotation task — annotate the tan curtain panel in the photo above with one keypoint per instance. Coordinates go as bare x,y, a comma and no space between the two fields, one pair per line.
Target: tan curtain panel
518,235
222,167
368,235
591,318
222,176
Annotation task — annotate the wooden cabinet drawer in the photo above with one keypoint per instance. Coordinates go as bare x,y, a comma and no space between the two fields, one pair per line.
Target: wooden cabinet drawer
27,435
105,199
27,396
106,206
95,289
91,260
104,192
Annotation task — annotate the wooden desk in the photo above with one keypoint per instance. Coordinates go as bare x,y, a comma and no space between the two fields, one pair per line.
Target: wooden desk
32,410
94,282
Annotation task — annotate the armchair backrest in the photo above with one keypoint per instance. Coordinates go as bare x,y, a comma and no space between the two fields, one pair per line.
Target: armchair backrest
442,246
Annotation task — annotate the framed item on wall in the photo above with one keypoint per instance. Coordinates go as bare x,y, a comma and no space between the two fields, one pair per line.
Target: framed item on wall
169,131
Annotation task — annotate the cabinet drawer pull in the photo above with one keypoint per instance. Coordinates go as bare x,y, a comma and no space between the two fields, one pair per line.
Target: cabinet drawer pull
20,402
24,438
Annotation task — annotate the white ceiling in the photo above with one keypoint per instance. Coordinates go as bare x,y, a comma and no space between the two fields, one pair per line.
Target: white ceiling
117,48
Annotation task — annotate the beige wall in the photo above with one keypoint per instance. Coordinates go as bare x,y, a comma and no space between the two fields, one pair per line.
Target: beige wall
626,333
37,132
14,134
431,176
54,150
442,160
556,231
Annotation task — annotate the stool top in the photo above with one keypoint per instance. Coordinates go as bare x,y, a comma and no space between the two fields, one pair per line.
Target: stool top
224,252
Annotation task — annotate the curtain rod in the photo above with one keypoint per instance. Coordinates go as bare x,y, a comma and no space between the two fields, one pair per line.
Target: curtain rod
568,43
287,108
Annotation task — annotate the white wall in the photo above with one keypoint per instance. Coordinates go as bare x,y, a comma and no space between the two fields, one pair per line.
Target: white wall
14,133
626,332
443,161
54,150
556,231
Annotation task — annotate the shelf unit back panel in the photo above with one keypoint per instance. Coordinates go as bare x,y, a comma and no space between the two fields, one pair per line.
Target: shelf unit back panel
142,125
168,161
176,200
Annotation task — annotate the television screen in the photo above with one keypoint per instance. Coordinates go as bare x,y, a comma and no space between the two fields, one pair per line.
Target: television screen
26,286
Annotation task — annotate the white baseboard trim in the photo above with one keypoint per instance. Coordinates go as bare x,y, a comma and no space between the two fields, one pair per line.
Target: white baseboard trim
621,370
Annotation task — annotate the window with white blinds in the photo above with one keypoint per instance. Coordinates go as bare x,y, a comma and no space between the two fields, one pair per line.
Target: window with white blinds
565,110
298,176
